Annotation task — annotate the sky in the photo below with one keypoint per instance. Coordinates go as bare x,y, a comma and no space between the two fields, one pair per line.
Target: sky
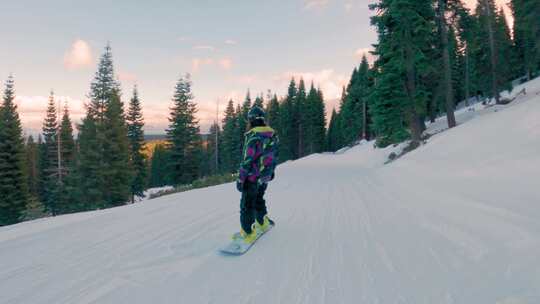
228,47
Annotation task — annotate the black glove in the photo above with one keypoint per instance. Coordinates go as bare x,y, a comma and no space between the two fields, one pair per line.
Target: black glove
239,186
272,177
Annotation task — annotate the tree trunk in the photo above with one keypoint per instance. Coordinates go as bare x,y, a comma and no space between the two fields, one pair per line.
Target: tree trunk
493,55
410,88
364,120
467,76
448,87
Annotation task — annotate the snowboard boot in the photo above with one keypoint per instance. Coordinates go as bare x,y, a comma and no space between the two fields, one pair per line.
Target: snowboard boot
265,226
248,238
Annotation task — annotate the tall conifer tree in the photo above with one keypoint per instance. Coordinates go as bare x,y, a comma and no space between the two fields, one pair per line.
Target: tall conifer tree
288,125
405,29
50,162
230,141
118,172
103,171
272,112
158,166
135,124
67,169
301,123
183,135
487,18
13,182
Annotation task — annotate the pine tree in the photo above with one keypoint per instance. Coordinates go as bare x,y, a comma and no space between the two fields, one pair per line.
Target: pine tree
354,114
288,130
526,36
242,123
447,83
89,180
32,166
229,137
50,164
135,124
486,14
272,112
34,207
301,121
505,49
68,148
13,182
41,166
67,168
102,132
259,101
332,135
350,116
118,172
158,166
467,29
405,30
214,150
316,126
240,127
183,135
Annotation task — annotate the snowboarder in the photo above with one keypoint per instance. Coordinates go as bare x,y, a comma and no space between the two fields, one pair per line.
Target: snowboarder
256,170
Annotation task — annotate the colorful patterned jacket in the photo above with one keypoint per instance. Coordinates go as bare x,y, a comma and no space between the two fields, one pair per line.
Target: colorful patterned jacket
260,155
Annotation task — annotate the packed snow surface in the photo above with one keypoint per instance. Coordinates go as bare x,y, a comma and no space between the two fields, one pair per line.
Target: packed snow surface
455,221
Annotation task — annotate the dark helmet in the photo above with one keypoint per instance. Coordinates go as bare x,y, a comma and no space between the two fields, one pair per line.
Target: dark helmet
256,113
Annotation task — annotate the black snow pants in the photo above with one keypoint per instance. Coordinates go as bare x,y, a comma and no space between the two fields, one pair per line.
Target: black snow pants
252,205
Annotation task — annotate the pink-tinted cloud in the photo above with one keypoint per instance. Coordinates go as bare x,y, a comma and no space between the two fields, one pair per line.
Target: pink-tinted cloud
315,4
32,110
126,76
204,47
247,79
226,63
78,56
198,63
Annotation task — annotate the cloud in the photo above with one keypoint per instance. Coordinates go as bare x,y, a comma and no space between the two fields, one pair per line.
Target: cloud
330,82
204,47
231,42
78,56
127,77
197,63
225,63
32,110
315,4
247,79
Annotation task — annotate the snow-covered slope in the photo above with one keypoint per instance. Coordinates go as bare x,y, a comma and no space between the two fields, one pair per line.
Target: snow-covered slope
455,221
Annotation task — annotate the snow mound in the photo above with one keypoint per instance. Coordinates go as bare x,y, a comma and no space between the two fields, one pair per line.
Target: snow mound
454,221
